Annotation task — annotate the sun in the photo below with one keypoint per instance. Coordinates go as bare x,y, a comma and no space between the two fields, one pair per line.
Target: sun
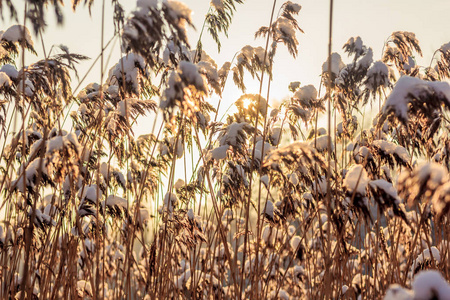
246,103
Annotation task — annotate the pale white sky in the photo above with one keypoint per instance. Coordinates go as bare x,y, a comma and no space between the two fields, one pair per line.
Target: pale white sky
372,20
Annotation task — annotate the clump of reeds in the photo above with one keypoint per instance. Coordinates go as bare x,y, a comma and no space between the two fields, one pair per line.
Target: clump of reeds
271,208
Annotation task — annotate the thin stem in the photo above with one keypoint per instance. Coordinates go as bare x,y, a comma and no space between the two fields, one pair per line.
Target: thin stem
328,292
247,209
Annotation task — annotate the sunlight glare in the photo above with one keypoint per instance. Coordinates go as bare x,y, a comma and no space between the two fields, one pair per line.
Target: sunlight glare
246,103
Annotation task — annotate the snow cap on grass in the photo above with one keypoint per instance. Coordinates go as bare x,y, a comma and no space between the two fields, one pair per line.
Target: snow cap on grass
170,200
16,33
392,149
387,188
179,184
31,172
209,68
400,96
112,201
90,193
365,61
377,76
183,279
430,285
321,143
293,6
354,45
227,215
259,149
356,180
147,3
190,73
285,28
265,179
445,47
441,199
10,70
295,242
426,179
179,10
59,142
426,256
408,88
219,152
397,292
234,134
144,215
269,209
275,135
336,64
27,87
217,4
306,93
434,172
190,214
293,178
282,295
84,288
320,185
128,64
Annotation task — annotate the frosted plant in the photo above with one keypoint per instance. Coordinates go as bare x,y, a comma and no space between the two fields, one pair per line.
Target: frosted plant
219,19
84,289
354,45
399,50
235,135
426,285
47,80
348,80
378,78
405,108
116,206
356,182
208,67
129,75
304,105
386,196
336,66
283,29
12,39
421,181
249,105
442,64
429,258
183,100
441,200
391,153
410,90
253,60
151,26
5,81
347,128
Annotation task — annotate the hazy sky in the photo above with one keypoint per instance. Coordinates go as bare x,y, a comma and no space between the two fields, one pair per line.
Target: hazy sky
372,20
